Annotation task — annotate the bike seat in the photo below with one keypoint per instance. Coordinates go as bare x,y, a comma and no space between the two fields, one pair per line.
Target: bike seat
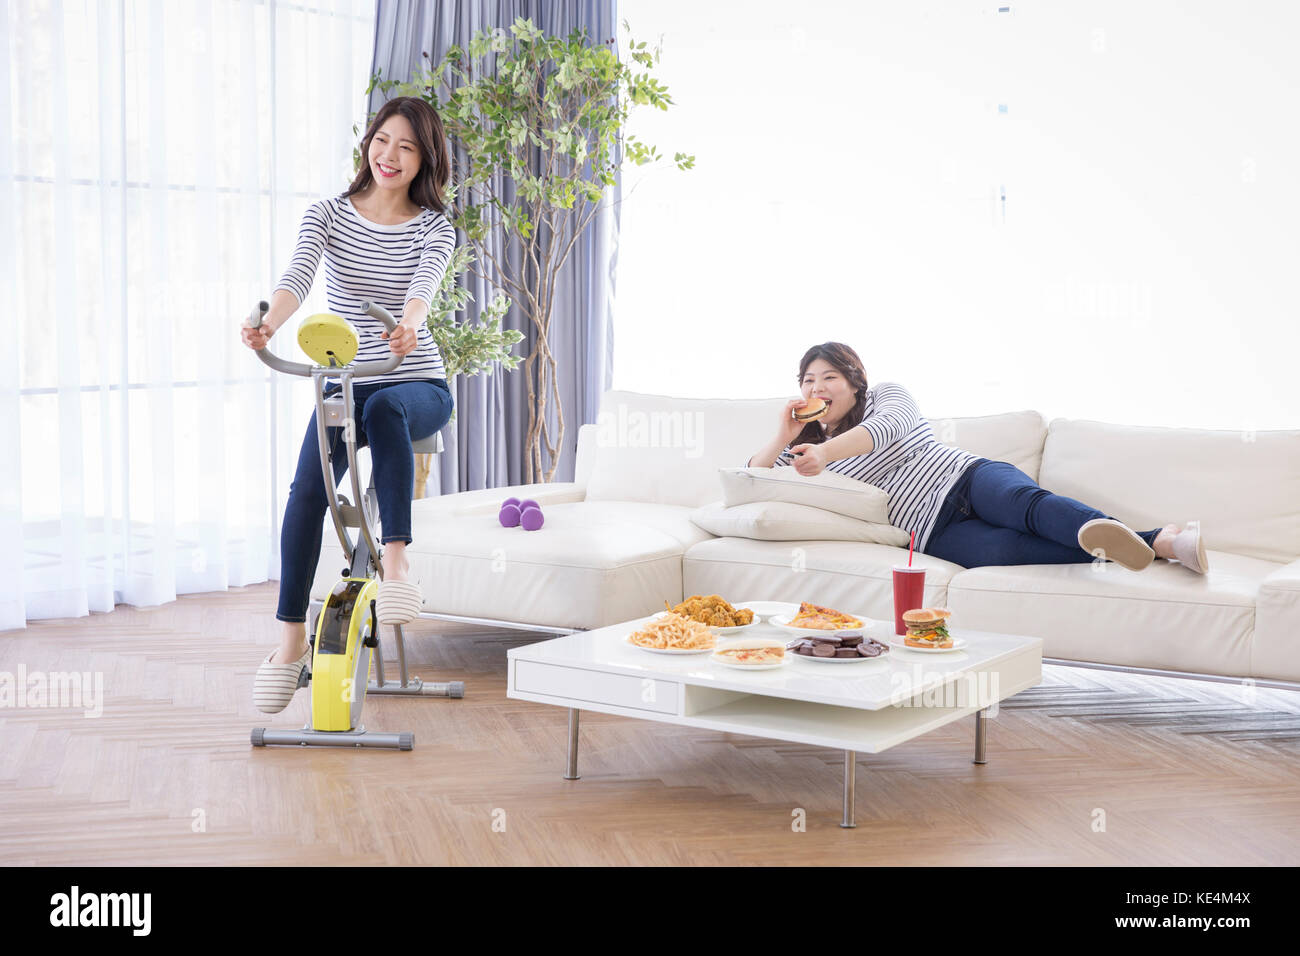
428,446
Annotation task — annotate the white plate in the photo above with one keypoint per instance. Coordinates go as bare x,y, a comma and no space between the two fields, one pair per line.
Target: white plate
957,644
766,609
783,621
882,656
670,650
750,667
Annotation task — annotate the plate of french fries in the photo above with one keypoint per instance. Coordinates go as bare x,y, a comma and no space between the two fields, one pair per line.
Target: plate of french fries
669,633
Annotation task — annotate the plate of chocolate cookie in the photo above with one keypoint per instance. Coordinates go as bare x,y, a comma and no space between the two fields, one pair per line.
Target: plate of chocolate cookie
838,647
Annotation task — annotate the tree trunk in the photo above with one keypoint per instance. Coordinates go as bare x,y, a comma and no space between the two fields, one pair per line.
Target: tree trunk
423,462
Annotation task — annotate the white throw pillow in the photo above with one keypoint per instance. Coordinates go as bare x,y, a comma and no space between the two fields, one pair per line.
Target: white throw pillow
783,521
828,491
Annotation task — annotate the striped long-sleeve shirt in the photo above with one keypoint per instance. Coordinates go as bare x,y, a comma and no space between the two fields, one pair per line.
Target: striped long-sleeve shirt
388,265
906,460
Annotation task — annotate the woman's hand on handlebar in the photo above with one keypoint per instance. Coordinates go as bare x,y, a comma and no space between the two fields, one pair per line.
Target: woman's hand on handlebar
401,340
257,338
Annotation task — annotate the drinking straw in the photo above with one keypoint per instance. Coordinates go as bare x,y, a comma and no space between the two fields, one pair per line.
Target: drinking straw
910,543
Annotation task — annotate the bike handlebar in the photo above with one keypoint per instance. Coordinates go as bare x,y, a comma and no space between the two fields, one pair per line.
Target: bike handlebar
302,368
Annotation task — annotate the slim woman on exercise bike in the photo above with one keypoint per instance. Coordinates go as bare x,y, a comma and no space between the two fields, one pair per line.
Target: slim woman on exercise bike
384,240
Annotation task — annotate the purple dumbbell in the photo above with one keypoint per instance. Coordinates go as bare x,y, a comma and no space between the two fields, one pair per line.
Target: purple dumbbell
509,515
531,518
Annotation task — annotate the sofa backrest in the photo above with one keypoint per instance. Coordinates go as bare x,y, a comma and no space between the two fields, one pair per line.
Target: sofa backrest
668,450
1243,487
1015,437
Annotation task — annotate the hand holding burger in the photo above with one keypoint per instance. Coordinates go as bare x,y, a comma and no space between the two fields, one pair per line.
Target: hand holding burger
811,409
789,426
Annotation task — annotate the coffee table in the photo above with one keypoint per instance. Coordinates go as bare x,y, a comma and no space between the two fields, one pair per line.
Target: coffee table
855,707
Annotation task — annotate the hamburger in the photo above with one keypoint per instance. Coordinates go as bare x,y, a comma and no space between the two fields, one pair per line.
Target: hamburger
927,627
813,409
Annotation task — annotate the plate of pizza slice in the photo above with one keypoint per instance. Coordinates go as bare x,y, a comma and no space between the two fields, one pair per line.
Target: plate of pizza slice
816,619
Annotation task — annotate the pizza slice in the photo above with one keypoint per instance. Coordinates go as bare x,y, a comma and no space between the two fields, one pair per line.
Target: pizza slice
820,618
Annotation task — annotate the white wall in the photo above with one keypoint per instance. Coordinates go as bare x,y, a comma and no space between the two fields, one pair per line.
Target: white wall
850,159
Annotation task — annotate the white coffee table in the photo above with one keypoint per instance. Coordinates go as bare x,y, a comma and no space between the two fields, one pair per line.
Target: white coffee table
855,707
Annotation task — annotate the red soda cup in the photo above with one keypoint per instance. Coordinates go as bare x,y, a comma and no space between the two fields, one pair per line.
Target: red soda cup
909,593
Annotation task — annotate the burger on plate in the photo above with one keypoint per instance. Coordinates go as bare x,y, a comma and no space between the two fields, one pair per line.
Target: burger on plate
927,627
813,409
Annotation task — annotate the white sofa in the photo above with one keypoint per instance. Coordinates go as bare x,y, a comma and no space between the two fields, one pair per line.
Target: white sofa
618,541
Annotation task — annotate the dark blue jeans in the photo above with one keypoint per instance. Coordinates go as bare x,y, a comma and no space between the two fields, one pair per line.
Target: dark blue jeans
998,515
388,416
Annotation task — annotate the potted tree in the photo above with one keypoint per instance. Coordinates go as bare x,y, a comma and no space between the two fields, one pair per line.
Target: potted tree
467,348
570,100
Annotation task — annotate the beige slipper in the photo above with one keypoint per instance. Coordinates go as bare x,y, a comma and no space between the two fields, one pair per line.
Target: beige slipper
1117,542
276,684
399,602
1189,549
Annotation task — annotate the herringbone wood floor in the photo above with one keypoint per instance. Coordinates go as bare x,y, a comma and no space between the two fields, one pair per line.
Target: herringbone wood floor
1184,772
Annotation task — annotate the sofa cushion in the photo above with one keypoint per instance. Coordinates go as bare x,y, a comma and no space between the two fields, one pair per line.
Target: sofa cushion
1276,645
591,564
783,521
1163,617
487,501
829,491
1015,437
847,575
1243,487
668,450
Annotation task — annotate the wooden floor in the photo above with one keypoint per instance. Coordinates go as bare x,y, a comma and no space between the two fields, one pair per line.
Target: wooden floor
1179,772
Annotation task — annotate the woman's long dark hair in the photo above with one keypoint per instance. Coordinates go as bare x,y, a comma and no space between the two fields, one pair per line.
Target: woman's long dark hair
435,159
845,361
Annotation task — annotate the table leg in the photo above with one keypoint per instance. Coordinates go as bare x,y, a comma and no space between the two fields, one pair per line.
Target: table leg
572,772
850,766
981,735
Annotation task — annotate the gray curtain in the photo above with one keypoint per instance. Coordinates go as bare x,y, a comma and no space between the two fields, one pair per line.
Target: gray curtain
485,448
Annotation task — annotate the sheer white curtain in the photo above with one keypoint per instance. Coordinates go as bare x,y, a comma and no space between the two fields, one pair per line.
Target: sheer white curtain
1088,209
155,162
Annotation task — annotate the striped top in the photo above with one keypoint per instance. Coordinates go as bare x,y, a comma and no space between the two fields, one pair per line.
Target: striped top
387,265
907,461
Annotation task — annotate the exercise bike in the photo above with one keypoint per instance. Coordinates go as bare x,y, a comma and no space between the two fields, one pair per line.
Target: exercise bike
347,625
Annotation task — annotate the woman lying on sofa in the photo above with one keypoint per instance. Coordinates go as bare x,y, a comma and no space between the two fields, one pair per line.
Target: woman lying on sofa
965,509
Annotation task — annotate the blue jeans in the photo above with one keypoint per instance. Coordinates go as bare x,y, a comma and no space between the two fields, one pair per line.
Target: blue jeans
388,416
998,515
